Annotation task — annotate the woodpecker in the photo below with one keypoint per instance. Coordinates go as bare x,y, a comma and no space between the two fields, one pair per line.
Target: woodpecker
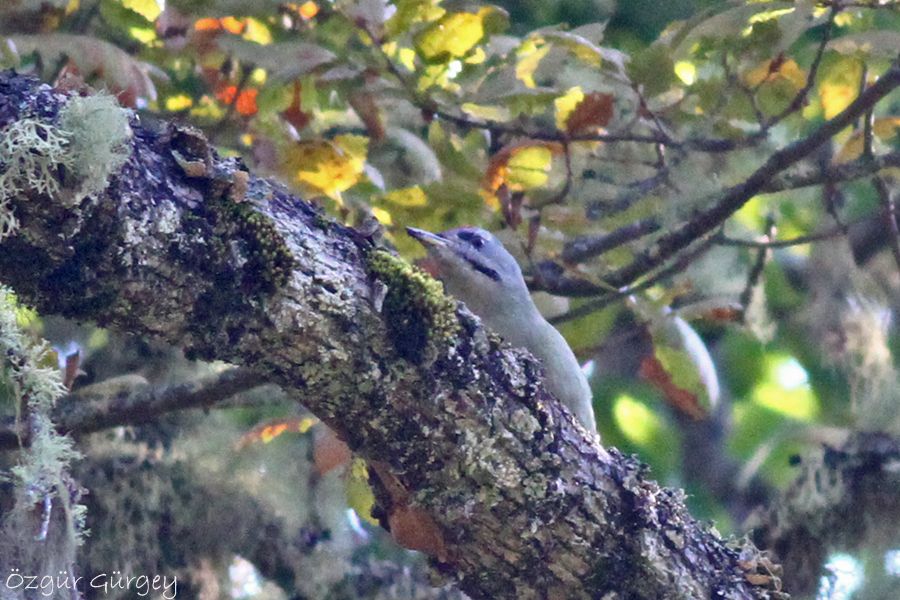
477,269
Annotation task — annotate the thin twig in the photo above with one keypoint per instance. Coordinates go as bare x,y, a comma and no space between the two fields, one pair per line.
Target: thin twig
800,97
833,232
755,274
884,195
736,196
586,247
675,267
850,171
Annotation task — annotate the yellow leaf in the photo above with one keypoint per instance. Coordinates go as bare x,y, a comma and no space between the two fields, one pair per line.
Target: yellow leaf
528,167
383,216
453,35
768,15
149,9
142,34
840,86
489,113
785,389
477,56
407,58
411,12
635,420
686,71
328,167
359,495
530,56
179,102
770,70
843,19
519,167
258,32
884,128
565,104
411,196
791,71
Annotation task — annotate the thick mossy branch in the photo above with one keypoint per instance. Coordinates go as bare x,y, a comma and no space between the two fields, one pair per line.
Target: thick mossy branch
189,247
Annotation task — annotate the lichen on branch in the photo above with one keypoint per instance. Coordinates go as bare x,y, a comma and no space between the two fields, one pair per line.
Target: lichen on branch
417,310
87,143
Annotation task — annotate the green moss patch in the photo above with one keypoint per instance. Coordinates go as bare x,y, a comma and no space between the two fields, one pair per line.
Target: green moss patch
417,310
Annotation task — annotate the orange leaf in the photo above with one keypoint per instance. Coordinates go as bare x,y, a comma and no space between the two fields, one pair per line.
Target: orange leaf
233,25
329,452
226,93
207,24
499,172
413,528
308,10
682,400
593,112
266,432
246,102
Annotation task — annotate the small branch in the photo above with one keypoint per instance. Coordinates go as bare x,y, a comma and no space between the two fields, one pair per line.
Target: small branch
755,274
633,192
426,104
800,98
890,215
836,231
586,247
873,4
850,171
735,197
78,414
676,267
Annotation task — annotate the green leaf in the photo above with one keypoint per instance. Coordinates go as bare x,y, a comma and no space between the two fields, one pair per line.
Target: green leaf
653,68
283,60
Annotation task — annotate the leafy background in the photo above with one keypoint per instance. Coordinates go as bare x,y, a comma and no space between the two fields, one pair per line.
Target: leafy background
532,119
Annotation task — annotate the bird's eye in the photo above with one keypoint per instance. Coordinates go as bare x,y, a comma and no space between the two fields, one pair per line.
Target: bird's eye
473,238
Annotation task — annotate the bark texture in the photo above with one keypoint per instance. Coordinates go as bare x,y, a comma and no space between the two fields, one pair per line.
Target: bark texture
515,501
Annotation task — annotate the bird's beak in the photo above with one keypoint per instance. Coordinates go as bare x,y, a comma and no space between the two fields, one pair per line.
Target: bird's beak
426,238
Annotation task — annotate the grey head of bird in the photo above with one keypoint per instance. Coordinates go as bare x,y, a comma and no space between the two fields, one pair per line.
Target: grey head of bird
475,267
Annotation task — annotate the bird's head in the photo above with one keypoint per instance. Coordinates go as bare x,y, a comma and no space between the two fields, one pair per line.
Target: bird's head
473,264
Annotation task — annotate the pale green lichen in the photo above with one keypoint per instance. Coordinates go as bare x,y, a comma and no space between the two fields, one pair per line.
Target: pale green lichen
30,152
41,481
98,140
417,309
89,143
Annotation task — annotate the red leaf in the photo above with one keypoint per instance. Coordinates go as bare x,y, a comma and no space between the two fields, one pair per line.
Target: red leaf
680,399
294,114
593,112
329,452
413,528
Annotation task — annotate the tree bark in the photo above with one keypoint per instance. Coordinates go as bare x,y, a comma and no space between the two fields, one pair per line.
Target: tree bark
514,499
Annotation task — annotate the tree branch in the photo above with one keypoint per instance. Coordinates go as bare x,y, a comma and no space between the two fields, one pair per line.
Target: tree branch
735,197
86,412
520,502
